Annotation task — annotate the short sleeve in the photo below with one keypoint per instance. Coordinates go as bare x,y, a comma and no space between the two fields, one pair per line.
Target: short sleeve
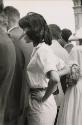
49,61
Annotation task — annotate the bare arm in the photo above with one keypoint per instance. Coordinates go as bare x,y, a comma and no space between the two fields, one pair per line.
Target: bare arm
53,80
64,71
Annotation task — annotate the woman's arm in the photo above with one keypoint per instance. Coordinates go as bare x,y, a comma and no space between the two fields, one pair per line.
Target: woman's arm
64,71
53,80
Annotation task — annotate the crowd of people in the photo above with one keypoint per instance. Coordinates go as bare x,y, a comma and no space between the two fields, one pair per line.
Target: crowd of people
40,71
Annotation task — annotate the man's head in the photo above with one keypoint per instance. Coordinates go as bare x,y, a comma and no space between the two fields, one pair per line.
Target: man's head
66,33
13,16
55,31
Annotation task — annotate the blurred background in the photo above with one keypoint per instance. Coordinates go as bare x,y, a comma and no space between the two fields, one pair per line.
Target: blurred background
59,12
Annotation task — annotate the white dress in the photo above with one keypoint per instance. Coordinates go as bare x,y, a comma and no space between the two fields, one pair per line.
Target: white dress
71,109
42,61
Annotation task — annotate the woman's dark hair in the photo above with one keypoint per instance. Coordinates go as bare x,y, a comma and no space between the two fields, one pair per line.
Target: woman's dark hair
37,28
66,33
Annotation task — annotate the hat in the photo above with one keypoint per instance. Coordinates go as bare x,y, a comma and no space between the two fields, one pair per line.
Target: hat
73,37
79,33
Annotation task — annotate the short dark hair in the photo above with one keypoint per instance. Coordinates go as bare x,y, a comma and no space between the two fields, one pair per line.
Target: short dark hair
11,11
55,31
38,30
66,33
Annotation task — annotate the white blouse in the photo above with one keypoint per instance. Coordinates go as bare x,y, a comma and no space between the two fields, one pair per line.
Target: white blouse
42,61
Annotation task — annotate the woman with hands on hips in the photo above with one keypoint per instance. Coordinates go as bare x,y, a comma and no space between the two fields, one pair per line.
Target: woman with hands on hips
44,71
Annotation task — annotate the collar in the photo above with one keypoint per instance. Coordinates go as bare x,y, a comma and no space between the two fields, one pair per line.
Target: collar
39,45
36,48
12,28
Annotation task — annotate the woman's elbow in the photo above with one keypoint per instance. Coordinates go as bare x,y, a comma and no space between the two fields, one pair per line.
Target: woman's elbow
55,77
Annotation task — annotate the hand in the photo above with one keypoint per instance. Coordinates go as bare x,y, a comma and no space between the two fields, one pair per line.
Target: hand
73,77
75,72
36,97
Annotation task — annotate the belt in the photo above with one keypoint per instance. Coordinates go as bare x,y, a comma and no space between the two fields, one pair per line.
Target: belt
37,89
43,89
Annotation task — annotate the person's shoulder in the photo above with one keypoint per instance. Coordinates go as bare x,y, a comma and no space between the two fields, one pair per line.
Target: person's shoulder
16,32
45,50
75,49
4,38
78,48
17,29
55,43
44,47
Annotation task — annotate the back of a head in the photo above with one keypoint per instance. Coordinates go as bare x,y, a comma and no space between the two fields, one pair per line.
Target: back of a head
37,28
66,33
12,13
55,31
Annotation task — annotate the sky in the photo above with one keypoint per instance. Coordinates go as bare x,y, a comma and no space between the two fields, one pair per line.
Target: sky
58,12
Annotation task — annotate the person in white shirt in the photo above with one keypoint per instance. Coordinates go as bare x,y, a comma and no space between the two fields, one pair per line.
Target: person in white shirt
71,110
44,70
61,53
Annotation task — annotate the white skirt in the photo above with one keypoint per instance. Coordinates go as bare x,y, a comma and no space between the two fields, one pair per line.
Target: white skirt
71,109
